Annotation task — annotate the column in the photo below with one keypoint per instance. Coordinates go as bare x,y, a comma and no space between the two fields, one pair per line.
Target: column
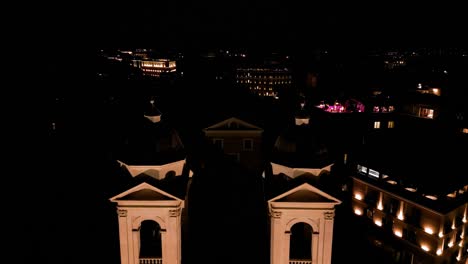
122,215
315,244
286,246
172,242
136,245
276,237
328,233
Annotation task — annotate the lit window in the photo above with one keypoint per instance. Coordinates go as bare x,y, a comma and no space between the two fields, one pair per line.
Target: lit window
362,169
391,124
248,144
377,124
398,233
425,247
465,130
426,113
373,173
428,230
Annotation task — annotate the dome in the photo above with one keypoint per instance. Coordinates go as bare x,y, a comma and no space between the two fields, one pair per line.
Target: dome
152,143
301,146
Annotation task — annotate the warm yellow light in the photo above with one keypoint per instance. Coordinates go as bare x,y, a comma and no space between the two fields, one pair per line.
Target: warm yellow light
439,252
400,211
398,233
453,223
378,222
358,196
380,204
358,211
441,234
425,247
428,230
460,244
400,215
450,244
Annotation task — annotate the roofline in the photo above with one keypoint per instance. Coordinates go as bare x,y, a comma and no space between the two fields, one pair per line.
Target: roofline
307,187
139,187
234,119
402,198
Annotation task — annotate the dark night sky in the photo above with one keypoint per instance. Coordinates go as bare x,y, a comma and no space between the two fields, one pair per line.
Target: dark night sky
274,23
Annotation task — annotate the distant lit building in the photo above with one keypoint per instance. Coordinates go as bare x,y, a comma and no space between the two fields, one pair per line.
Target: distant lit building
155,68
381,109
264,81
423,102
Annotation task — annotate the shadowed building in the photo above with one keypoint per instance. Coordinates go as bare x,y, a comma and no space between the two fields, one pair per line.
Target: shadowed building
239,140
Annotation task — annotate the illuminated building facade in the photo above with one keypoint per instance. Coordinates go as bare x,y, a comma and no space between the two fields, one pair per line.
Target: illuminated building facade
155,68
264,81
428,234
413,203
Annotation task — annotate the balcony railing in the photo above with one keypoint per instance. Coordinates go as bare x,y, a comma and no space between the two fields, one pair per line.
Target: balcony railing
300,261
150,260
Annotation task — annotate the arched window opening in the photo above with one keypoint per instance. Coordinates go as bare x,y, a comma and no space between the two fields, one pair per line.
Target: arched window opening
150,240
301,242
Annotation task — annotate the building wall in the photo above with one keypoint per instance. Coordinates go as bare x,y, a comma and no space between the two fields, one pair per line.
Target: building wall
442,237
233,144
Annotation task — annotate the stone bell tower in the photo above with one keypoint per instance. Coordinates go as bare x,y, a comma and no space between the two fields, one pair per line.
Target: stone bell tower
301,222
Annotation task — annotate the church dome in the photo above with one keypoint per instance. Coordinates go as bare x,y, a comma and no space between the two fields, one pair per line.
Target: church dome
302,145
153,141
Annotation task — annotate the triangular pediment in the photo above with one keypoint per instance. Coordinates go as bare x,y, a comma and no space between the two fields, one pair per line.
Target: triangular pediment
144,192
305,193
233,123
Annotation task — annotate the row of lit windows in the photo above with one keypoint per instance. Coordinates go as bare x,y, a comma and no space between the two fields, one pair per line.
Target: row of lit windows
383,109
152,70
390,124
284,70
377,175
261,88
254,82
264,77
